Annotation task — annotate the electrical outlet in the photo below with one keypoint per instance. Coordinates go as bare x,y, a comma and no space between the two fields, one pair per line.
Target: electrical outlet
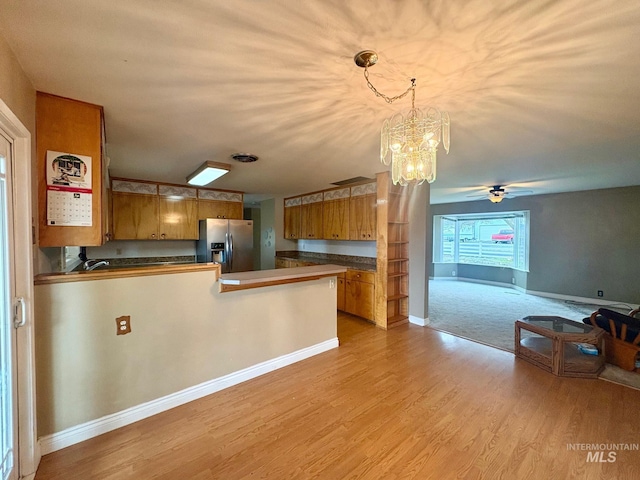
513,280
332,283
118,251
600,293
123,325
453,273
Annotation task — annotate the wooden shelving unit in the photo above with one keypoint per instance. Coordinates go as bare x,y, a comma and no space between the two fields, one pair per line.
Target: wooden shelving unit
392,276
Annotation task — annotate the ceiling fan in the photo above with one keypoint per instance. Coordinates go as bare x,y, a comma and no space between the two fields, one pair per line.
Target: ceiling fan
497,193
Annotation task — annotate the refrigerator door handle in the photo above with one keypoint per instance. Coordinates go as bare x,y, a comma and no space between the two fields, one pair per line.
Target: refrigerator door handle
230,253
225,264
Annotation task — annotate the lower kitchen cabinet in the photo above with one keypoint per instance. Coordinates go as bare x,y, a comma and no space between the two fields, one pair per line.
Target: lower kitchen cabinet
360,293
282,263
342,283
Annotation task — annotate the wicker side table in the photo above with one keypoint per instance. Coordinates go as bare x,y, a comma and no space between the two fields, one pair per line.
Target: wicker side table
552,346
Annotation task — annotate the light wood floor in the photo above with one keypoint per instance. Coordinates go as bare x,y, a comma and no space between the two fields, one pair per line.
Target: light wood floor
408,403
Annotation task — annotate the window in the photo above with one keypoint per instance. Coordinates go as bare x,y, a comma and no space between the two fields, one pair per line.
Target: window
490,239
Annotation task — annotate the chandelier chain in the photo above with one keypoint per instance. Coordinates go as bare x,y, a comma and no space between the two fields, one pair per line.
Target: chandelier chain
385,97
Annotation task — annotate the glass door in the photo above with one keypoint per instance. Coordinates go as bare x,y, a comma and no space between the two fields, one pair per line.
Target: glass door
8,364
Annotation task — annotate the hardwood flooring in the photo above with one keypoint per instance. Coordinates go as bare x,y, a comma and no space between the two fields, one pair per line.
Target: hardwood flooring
406,403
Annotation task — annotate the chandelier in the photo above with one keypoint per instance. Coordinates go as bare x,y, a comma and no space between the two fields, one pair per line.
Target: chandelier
409,141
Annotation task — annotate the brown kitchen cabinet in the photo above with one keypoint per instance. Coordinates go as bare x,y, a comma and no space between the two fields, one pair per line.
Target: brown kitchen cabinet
335,214
282,262
341,293
219,209
292,207
311,219
147,211
362,217
135,216
178,218
77,128
220,204
360,293
335,217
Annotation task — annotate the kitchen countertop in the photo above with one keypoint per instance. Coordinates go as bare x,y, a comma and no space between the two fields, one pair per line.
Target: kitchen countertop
279,276
121,271
329,259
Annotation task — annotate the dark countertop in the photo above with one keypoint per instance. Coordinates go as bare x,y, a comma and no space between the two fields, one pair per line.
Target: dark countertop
349,261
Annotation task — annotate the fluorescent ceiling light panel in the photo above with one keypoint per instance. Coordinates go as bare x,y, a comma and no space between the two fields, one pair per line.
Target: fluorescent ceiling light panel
207,173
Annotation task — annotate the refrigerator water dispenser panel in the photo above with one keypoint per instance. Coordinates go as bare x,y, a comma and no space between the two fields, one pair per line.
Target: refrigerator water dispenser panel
217,253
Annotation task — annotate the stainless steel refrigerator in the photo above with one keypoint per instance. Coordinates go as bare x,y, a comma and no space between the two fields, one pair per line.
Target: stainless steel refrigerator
227,242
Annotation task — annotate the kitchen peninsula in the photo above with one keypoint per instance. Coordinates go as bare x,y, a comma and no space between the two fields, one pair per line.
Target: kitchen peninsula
187,339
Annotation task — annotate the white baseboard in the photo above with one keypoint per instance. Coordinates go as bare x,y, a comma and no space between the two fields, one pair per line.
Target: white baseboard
85,431
592,301
423,322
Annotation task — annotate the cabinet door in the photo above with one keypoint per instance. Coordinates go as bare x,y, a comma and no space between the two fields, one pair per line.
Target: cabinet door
292,222
282,263
235,210
311,220
65,125
178,219
359,298
362,217
341,294
212,209
135,217
336,219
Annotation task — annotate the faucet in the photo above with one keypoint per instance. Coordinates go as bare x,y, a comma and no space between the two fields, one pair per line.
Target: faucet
93,264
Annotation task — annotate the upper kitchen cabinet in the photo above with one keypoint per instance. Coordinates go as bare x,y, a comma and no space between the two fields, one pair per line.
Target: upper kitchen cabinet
71,172
311,217
292,208
335,214
362,212
135,210
178,213
219,204
147,211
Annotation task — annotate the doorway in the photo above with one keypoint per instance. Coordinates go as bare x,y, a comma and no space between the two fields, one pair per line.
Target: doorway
18,439
8,344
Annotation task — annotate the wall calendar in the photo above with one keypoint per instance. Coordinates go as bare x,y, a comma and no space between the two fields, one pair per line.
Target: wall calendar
69,192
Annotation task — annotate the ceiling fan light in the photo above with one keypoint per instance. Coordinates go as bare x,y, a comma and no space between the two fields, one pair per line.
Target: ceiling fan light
495,198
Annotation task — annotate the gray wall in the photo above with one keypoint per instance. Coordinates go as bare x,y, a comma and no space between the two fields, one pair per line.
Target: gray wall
580,242
268,234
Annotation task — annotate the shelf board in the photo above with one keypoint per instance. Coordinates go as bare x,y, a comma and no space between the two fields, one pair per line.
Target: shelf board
392,298
391,222
398,260
397,320
396,275
398,243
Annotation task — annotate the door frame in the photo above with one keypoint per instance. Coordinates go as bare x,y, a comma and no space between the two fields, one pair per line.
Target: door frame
28,447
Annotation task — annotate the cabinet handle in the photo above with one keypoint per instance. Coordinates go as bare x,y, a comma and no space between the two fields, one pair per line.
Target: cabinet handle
162,236
153,235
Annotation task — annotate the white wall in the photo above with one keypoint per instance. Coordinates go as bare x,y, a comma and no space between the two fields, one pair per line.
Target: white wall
143,248
184,333
338,247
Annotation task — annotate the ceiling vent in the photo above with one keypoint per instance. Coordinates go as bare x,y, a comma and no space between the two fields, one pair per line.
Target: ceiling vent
244,157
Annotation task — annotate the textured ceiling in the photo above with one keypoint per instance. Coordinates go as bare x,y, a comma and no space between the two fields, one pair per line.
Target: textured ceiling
542,94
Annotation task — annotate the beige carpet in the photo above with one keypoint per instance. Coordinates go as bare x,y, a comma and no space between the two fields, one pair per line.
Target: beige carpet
486,314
